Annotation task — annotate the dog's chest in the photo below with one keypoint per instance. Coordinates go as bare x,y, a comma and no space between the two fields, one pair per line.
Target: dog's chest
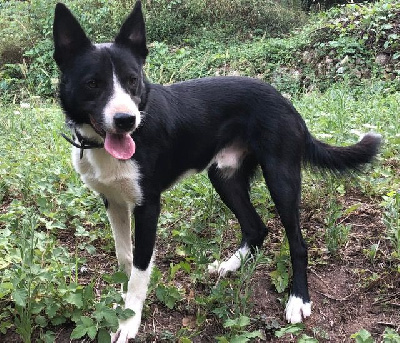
117,180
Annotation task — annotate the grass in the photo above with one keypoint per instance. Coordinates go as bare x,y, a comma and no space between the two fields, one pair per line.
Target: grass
43,283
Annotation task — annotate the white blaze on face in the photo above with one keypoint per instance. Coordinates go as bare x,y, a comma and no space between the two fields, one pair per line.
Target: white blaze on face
119,102
119,145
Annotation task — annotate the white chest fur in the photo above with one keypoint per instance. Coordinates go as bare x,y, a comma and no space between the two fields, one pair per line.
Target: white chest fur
117,180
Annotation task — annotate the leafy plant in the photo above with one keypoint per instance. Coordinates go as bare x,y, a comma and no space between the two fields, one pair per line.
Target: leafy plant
335,233
292,329
280,276
169,295
390,336
391,218
306,339
362,336
238,332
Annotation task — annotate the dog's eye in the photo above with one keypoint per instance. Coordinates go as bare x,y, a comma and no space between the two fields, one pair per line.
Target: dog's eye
92,84
132,81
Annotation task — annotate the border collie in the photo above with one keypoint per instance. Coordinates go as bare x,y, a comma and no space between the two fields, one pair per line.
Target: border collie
134,139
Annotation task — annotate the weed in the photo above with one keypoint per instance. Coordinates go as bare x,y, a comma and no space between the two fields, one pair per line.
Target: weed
372,252
295,330
336,233
168,295
292,329
173,20
391,218
390,336
230,301
243,291
362,336
280,276
238,331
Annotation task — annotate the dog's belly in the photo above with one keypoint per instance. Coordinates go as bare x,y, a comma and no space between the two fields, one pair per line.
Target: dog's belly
117,180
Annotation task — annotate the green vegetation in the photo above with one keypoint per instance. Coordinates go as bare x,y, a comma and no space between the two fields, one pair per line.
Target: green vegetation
342,72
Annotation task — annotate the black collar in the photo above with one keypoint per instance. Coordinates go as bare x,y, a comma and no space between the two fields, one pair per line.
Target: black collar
84,143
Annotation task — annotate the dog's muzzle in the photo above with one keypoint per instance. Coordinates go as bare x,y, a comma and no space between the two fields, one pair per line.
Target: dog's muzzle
124,122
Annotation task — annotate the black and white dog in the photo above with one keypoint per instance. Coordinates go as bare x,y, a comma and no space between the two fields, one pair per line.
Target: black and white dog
134,139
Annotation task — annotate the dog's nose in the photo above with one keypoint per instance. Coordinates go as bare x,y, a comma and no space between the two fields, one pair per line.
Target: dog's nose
124,121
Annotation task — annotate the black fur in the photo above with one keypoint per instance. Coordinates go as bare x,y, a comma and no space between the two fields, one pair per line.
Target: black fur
185,125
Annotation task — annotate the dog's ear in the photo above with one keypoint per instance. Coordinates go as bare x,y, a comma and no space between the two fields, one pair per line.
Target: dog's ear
69,37
133,32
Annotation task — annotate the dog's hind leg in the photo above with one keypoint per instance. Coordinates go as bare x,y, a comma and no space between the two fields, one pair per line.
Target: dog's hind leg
283,177
146,217
234,192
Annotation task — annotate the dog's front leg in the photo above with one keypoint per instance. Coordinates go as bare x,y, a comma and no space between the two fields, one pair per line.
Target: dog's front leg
146,217
119,215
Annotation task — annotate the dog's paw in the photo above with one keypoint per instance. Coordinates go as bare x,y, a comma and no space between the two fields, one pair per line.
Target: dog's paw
223,268
297,310
213,267
231,265
127,330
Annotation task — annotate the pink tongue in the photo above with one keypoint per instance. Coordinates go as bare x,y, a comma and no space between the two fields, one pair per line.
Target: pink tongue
121,147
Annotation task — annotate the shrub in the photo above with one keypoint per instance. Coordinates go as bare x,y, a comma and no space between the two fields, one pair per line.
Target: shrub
26,63
172,20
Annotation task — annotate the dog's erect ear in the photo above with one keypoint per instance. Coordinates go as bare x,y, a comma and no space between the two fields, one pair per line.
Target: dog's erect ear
133,32
69,37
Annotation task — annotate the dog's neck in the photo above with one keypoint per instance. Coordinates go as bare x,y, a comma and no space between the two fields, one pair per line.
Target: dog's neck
84,143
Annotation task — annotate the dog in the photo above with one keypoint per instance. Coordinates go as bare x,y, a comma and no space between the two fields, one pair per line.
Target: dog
134,139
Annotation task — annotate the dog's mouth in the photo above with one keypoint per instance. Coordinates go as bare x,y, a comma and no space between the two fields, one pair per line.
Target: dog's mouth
119,145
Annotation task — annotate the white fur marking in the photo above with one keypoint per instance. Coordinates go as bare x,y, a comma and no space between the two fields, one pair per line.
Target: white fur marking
230,265
120,102
103,45
229,159
296,310
137,290
119,216
117,180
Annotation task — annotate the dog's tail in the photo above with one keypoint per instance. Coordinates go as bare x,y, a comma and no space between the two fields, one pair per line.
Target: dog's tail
340,159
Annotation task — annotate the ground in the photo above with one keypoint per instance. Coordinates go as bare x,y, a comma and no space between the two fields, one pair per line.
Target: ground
350,290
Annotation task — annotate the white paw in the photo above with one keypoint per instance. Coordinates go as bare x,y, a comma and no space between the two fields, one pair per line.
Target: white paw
223,268
297,310
127,329
231,265
213,267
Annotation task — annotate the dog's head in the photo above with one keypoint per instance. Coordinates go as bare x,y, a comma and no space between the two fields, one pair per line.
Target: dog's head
102,86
